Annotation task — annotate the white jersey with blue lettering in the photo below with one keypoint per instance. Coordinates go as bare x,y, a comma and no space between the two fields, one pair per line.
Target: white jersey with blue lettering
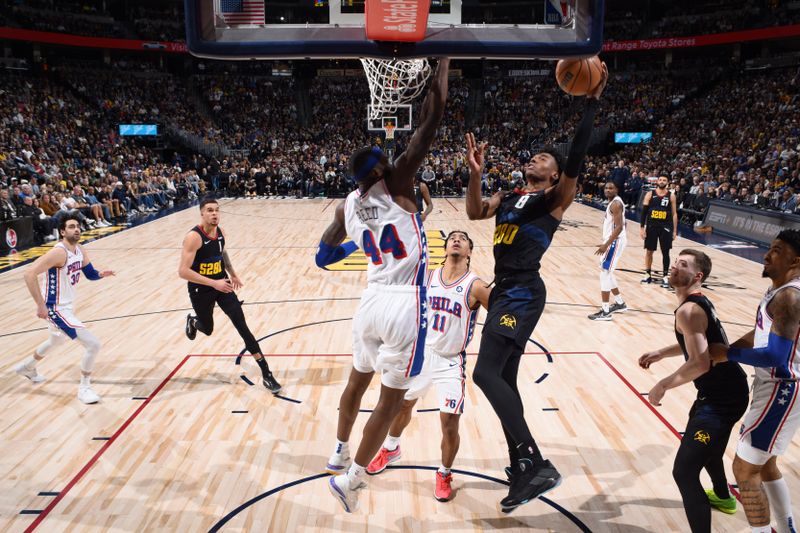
391,237
791,369
608,221
59,286
451,322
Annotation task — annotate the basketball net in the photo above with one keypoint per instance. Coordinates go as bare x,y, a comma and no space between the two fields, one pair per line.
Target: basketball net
389,131
394,82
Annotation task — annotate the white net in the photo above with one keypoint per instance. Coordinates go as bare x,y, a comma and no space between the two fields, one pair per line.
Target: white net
394,82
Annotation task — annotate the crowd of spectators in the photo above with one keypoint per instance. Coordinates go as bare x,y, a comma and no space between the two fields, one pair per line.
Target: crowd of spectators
60,151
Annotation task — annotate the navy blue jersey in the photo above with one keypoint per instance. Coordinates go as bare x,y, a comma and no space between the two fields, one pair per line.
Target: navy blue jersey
523,231
660,213
724,383
208,258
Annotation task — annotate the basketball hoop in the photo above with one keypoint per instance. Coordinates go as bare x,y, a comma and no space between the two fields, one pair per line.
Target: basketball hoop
394,82
388,129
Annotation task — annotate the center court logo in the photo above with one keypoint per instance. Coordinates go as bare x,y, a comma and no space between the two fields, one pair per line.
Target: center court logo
509,321
702,436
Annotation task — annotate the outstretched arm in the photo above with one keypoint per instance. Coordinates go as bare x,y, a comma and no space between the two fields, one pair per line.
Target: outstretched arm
330,249
430,117
561,196
785,311
477,207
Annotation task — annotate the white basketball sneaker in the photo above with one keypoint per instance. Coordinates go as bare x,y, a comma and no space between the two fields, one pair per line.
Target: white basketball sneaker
340,488
338,464
30,373
87,395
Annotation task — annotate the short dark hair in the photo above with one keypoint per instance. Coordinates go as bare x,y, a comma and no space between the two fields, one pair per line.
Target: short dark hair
792,238
207,200
615,183
464,233
701,260
555,155
62,224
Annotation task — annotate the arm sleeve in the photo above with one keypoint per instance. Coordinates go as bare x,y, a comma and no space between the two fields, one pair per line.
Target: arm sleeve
776,353
90,272
327,254
580,143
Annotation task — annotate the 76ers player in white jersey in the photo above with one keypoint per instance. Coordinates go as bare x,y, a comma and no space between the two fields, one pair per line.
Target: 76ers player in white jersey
614,240
389,327
64,265
774,414
454,294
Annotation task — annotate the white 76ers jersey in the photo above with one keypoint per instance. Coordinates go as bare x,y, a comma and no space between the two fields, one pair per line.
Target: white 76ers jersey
608,221
450,320
791,368
59,287
391,237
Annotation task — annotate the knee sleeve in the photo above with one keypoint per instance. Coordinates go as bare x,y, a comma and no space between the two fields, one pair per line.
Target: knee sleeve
607,280
92,346
54,340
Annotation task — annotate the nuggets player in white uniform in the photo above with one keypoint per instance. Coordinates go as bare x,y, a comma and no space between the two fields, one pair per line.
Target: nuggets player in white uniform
64,265
454,295
774,413
381,218
614,240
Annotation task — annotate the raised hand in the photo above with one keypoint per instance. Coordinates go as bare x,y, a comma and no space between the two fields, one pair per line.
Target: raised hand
475,153
597,91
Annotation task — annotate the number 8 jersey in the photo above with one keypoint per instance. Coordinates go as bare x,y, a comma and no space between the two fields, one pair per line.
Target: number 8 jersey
391,237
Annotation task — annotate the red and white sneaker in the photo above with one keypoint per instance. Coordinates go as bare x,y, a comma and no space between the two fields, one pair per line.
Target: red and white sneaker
443,491
382,460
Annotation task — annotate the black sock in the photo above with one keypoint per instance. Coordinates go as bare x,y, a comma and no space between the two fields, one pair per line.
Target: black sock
648,272
262,364
529,450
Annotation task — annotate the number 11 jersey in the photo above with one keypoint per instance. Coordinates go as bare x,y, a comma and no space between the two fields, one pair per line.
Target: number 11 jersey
392,238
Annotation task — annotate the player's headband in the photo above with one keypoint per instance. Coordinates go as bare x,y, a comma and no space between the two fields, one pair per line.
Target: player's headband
373,159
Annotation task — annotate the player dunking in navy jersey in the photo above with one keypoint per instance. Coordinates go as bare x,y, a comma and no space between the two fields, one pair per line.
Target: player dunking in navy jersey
525,221
206,266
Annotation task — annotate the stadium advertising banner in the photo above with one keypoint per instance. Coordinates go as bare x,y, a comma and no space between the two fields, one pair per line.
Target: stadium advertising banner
747,223
703,40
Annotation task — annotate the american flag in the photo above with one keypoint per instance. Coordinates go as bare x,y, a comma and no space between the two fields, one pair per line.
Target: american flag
242,11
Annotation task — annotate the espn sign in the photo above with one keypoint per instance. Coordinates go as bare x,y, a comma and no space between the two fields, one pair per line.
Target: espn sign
396,20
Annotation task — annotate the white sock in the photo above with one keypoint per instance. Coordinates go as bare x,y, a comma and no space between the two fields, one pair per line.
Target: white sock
760,529
780,501
444,470
354,474
30,363
391,443
606,307
85,381
342,448
618,299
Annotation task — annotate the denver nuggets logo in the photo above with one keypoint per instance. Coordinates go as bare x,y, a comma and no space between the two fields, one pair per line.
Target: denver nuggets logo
702,436
509,321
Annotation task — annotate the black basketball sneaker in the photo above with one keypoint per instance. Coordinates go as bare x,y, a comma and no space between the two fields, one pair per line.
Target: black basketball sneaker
529,483
191,328
271,383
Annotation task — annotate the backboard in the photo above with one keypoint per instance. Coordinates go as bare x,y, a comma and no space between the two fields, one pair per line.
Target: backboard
309,29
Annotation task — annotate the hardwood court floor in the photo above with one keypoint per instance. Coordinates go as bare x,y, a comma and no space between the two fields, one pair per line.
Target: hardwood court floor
182,443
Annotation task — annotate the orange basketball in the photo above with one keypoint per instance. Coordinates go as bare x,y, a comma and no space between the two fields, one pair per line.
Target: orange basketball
579,76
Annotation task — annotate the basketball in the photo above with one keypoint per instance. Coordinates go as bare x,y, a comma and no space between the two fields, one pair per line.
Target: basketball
579,76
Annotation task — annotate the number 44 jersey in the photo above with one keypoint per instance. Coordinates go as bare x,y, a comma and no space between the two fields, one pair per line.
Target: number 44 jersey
391,237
